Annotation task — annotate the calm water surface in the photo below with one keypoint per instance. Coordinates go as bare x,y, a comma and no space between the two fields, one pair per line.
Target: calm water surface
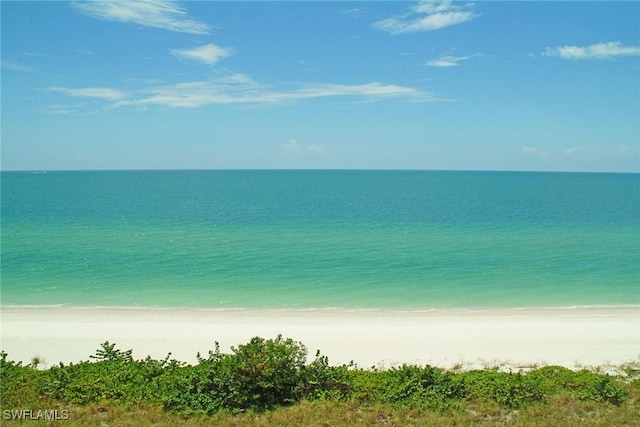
407,240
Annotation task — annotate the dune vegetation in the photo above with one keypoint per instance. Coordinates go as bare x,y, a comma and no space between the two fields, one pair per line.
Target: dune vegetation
271,382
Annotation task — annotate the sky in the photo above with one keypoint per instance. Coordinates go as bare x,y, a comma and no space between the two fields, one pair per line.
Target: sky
511,85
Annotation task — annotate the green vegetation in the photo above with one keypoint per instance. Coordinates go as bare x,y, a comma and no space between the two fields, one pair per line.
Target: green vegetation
269,382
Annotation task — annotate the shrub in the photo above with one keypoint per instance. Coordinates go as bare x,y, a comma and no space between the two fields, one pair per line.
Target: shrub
319,380
408,385
114,377
413,384
599,388
553,378
18,383
110,353
511,390
258,375
583,384
264,374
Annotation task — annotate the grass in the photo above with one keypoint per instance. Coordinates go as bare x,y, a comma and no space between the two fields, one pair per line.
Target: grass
558,411
269,383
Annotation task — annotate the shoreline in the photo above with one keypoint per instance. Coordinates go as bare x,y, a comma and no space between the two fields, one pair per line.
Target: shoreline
343,309
475,338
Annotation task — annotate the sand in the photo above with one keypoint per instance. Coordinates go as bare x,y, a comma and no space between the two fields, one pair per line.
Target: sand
570,337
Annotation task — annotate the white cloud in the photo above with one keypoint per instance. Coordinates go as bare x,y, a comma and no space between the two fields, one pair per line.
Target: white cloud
372,91
291,145
434,6
105,93
238,78
15,66
58,109
315,149
450,61
354,12
623,150
165,14
574,150
597,51
208,53
242,89
295,148
36,54
427,16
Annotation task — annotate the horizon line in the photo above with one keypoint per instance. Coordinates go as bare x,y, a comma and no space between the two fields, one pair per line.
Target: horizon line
43,171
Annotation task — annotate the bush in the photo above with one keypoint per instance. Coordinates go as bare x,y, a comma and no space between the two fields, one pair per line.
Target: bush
553,378
114,377
18,383
319,380
110,353
511,390
412,384
597,387
265,374
583,384
259,375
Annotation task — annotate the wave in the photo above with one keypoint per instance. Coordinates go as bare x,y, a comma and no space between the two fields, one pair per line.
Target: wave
327,310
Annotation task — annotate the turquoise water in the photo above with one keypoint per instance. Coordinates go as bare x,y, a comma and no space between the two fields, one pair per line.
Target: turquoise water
320,239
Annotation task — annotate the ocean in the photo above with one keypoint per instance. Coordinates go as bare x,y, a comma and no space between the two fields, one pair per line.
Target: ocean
305,240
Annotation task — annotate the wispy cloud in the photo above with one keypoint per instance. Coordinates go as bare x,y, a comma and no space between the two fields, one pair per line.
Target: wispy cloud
534,151
427,16
35,54
294,147
242,89
104,93
16,66
208,53
165,14
572,151
626,150
599,51
353,12
373,91
450,61
59,109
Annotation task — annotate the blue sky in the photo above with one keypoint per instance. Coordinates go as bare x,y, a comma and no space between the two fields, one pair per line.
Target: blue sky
378,85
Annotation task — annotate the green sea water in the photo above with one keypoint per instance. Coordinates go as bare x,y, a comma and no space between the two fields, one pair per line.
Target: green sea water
403,240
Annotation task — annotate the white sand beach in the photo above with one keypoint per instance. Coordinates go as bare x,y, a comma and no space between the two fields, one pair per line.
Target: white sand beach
565,336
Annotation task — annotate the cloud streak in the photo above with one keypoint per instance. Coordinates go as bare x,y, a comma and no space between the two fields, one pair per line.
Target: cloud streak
599,51
534,151
450,61
208,53
15,66
427,16
165,14
572,151
294,147
104,93
241,89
